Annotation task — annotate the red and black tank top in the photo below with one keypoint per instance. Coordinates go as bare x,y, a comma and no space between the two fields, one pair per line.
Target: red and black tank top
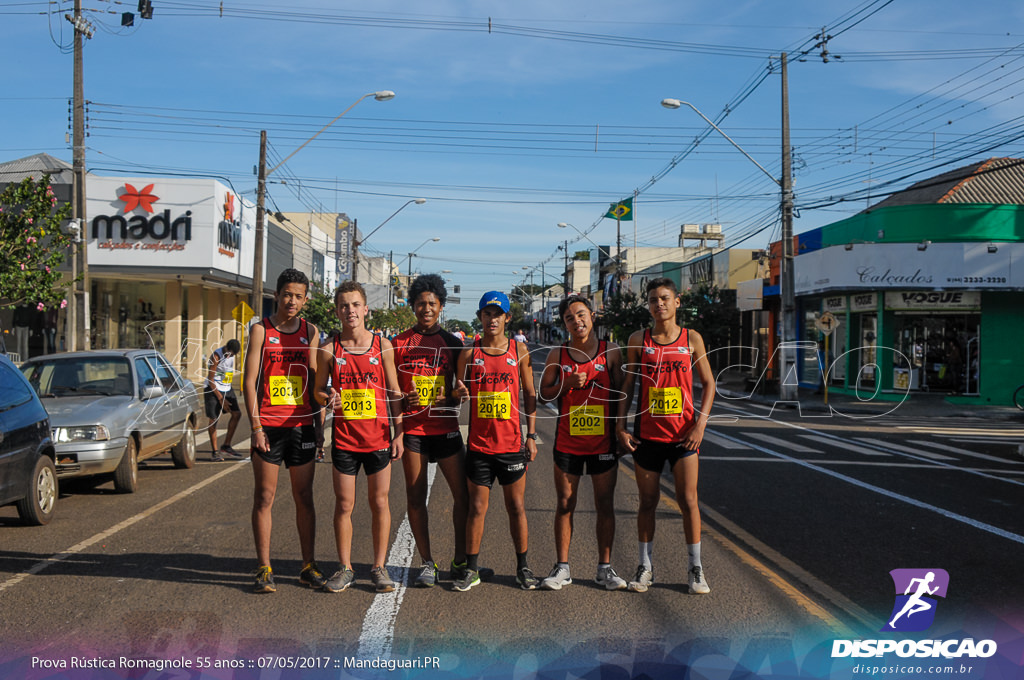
285,389
494,390
425,363
584,427
665,407
361,413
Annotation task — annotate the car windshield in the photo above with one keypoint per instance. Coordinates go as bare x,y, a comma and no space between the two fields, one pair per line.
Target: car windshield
80,376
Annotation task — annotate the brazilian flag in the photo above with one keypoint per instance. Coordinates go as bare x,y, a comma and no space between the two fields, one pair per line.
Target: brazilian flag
622,211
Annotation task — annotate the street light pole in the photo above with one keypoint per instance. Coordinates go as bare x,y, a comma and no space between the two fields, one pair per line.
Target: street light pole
357,242
787,310
429,240
256,298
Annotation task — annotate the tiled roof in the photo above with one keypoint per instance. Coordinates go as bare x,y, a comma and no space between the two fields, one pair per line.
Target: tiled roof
35,166
997,181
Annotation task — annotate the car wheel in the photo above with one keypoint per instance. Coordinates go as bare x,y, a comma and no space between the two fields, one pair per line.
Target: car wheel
40,501
184,452
126,476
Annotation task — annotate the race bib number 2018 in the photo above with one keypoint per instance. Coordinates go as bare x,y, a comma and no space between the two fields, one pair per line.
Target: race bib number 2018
494,405
287,390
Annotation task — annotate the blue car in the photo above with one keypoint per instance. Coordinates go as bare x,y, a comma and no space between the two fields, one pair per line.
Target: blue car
28,476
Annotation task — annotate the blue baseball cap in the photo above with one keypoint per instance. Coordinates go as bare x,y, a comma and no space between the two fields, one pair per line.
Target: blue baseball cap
495,298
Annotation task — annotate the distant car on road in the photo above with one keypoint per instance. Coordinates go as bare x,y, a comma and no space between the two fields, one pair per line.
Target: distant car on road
110,409
27,474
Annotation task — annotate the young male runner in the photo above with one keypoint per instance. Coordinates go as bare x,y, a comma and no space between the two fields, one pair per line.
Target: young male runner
666,427
277,387
583,376
219,398
363,391
425,358
494,371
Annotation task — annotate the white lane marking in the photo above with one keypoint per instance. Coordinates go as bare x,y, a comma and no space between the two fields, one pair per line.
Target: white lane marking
982,440
839,444
103,535
832,463
897,496
724,443
905,449
965,452
378,632
966,431
785,443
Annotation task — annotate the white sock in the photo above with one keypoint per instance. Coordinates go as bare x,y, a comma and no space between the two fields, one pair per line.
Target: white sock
645,554
693,550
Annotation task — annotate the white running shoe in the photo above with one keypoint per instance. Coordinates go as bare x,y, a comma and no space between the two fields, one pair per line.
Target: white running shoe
558,577
642,581
698,585
607,577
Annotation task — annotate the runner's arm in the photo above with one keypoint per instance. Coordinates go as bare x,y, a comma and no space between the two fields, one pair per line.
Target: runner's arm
551,377
394,395
702,367
627,373
529,399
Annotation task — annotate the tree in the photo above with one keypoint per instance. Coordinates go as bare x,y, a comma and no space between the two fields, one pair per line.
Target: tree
623,314
32,245
452,325
396,319
319,309
710,311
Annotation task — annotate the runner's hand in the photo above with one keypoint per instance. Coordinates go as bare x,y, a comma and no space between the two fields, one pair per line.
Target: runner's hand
627,441
461,392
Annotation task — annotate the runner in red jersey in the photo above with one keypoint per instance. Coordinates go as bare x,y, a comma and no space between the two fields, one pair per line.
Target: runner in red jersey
363,391
667,428
496,369
583,376
278,372
425,358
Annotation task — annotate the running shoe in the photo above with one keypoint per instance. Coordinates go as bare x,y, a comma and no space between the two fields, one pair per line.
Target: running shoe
381,580
607,577
217,457
642,581
428,575
226,450
526,579
698,585
341,580
264,580
458,571
312,576
469,579
558,577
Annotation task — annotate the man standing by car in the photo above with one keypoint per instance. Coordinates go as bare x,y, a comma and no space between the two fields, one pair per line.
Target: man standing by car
220,397
278,398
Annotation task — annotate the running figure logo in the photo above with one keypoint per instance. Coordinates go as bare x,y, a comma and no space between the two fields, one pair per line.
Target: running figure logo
916,589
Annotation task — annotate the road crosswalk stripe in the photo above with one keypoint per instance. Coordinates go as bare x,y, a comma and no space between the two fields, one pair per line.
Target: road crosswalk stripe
723,442
965,452
788,444
905,449
840,444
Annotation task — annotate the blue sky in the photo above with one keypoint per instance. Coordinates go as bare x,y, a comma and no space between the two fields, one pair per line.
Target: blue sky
547,118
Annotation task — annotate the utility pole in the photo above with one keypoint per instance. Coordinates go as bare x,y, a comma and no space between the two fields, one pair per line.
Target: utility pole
391,287
565,276
79,321
257,264
787,320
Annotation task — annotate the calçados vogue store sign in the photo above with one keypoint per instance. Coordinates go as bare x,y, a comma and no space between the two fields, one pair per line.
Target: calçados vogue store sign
160,231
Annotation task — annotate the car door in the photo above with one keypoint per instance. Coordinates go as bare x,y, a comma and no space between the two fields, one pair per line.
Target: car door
176,408
153,421
18,436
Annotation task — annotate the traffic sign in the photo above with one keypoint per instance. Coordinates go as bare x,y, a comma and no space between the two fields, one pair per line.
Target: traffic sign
826,323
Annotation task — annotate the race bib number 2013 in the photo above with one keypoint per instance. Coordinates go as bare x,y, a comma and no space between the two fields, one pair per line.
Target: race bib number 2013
358,404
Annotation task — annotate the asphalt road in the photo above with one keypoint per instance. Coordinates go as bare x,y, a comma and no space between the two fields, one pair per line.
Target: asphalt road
804,518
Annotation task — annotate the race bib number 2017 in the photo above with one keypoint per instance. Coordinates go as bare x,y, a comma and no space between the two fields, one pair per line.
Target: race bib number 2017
287,390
